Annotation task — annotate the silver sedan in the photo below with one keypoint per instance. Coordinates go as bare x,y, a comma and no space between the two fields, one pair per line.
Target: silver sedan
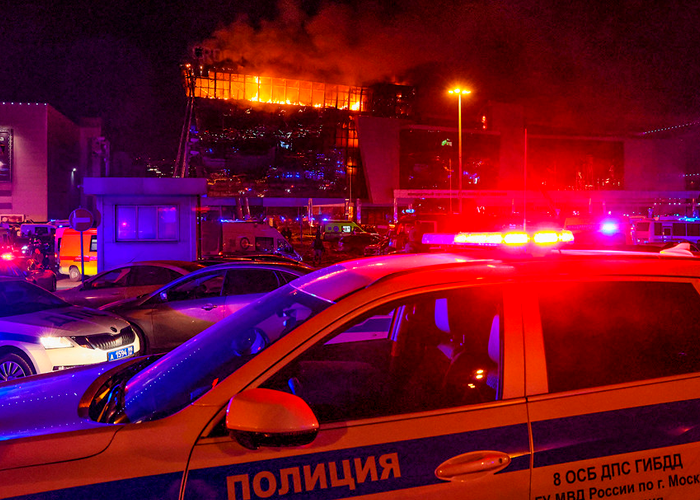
178,311
123,282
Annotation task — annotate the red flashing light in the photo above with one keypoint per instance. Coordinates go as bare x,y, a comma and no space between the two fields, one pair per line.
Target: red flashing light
545,238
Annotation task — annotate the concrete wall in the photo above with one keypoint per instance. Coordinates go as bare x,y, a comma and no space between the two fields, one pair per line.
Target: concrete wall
379,150
655,165
63,155
26,193
47,146
509,121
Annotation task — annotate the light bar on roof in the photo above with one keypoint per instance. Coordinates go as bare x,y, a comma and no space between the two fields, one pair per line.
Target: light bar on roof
494,239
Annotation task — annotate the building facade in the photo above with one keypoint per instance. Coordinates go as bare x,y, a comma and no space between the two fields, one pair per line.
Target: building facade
258,139
43,158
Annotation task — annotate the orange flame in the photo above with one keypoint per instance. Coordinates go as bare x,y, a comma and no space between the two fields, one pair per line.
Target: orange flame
217,84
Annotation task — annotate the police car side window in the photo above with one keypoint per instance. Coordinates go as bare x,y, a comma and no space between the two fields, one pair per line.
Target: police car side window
601,333
424,353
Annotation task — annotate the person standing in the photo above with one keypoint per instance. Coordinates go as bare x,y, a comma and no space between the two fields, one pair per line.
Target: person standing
318,247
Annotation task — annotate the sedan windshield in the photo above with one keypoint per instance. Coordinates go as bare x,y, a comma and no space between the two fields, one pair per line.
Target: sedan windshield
196,366
20,297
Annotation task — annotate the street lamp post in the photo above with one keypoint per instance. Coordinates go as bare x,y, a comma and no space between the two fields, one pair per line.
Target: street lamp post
459,93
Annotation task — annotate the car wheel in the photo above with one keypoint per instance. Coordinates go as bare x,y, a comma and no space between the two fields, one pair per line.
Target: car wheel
13,366
74,274
54,285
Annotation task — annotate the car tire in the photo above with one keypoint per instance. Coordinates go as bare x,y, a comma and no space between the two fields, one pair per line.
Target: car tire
13,366
54,285
74,273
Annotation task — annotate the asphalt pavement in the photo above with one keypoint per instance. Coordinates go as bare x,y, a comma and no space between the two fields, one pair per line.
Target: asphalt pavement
63,282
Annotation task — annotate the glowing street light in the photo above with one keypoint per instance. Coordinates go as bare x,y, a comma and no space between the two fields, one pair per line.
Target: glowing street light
459,93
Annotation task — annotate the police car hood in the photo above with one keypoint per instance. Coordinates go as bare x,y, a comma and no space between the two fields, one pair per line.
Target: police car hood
123,304
46,407
63,321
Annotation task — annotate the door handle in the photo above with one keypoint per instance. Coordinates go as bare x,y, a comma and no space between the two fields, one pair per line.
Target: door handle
472,465
208,307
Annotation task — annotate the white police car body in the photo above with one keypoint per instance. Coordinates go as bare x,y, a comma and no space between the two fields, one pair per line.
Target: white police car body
41,333
414,376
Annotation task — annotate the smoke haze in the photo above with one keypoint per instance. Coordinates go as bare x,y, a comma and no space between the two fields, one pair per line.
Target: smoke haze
607,65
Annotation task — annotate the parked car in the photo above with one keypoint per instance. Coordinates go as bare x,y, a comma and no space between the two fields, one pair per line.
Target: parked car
45,278
261,257
40,333
178,311
130,280
356,243
381,247
431,376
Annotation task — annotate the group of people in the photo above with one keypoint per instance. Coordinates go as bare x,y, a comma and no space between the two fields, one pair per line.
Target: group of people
39,258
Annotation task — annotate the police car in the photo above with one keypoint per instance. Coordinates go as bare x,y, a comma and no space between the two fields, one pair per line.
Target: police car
574,375
41,333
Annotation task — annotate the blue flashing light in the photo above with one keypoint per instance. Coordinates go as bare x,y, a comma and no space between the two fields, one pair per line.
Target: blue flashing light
609,227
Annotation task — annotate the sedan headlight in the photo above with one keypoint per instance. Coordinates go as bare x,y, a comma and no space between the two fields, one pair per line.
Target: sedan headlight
56,342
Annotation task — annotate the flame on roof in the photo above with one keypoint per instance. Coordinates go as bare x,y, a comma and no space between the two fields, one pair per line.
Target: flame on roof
221,84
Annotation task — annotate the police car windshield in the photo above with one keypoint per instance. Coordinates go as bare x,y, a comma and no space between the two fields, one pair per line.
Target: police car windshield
19,297
196,366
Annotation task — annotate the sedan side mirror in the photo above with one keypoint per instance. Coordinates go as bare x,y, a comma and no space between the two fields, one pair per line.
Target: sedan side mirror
264,417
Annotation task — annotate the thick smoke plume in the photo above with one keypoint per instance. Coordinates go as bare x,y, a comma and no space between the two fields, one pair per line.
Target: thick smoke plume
590,65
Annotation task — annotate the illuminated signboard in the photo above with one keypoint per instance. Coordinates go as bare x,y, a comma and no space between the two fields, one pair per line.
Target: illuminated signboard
5,155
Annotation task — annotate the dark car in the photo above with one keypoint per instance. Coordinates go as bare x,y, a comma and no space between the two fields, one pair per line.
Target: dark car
381,247
260,257
127,281
355,243
45,278
178,311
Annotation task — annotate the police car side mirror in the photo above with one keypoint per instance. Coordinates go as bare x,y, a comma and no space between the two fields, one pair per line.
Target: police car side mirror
265,417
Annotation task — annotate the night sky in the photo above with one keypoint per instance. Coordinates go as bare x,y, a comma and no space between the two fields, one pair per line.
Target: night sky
592,67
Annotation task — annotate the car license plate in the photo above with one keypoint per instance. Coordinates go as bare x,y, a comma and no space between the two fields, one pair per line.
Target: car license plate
121,353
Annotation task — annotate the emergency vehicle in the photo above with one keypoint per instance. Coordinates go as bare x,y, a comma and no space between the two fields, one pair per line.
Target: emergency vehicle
244,238
600,231
570,375
70,259
662,230
336,229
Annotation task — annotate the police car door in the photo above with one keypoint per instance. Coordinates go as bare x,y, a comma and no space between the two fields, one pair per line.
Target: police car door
615,389
418,396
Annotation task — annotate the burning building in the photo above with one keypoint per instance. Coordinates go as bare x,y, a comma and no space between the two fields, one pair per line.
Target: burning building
262,136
